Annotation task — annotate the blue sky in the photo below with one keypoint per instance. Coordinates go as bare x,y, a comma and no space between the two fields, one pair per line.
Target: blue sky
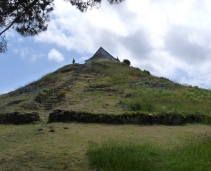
27,61
169,38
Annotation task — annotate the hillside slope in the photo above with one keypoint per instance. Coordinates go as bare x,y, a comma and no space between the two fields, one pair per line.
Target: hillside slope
107,87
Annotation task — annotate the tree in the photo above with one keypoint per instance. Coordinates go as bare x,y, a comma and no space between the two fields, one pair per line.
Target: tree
3,44
31,17
126,61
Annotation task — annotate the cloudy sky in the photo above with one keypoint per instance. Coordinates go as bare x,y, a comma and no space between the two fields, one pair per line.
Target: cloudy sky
169,38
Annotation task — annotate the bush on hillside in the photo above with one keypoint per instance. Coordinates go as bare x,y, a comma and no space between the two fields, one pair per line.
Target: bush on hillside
126,61
147,72
31,105
43,95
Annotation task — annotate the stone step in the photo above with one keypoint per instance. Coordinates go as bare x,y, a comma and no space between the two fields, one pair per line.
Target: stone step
47,104
60,89
51,98
54,96
48,108
48,101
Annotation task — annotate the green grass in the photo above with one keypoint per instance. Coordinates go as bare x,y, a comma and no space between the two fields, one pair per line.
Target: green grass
122,157
194,156
140,91
164,101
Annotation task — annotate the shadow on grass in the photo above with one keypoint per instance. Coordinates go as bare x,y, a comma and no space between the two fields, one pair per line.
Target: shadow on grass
194,156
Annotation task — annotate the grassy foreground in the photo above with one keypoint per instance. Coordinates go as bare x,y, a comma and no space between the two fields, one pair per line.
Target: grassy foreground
33,148
193,156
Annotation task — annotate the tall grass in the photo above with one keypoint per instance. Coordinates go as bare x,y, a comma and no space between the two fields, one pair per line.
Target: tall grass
163,101
194,156
122,157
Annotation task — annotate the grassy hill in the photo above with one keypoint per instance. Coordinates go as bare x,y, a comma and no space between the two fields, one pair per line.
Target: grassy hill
107,87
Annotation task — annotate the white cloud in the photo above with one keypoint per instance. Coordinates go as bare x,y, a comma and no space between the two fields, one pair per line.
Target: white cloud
28,54
20,40
34,57
55,55
15,50
161,36
25,52
84,58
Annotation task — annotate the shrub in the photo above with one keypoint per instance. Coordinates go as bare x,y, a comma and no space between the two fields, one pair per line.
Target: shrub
147,72
64,92
135,105
43,95
126,61
138,105
31,105
61,95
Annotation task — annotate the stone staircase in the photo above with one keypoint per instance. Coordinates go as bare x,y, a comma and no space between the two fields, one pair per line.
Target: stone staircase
53,97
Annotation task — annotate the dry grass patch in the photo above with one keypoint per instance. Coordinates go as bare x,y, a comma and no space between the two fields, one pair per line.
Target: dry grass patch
80,98
33,147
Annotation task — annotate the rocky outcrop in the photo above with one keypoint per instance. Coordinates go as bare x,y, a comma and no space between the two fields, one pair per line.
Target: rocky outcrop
26,90
165,119
158,85
100,89
19,118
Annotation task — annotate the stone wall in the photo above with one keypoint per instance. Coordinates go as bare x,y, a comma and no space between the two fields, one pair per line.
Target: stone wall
19,118
84,117
165,119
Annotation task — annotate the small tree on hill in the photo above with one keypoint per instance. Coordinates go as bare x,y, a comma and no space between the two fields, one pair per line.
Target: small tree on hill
147,72
126,61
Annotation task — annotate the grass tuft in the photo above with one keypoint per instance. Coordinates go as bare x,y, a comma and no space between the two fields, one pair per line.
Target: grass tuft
194,156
